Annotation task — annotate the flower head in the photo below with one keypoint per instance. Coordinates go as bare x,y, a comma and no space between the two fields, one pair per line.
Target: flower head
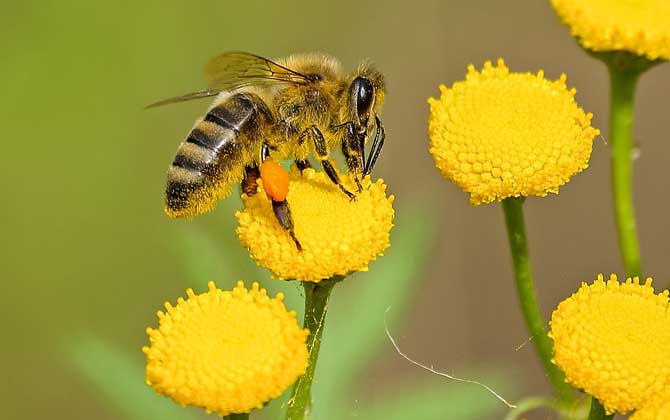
658,408
500,134
226,351
613,340
338,236
641,27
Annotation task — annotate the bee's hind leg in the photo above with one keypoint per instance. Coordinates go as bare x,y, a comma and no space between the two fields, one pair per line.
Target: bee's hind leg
280,207
283,214
322,154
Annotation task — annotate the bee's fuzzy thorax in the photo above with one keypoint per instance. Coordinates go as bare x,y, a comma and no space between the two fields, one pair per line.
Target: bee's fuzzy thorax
322,64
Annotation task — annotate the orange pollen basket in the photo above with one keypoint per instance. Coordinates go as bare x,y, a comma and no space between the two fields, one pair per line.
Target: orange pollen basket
275,180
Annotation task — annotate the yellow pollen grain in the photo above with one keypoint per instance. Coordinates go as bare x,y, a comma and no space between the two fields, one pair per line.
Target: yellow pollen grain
612,340
338,236
641,27
500,134
225,351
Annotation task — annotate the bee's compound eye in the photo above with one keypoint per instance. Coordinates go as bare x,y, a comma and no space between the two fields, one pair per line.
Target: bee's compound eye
364,96
275,180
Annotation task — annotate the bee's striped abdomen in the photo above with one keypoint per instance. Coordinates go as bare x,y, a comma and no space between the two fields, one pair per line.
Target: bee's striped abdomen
212,158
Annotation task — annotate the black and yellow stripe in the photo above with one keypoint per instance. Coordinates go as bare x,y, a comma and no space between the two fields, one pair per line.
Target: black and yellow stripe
212,158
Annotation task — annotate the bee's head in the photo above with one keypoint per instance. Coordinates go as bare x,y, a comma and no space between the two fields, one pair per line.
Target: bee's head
366,95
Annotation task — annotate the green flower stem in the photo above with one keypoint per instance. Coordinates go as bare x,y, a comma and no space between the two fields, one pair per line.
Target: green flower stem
516,232
597,411
237,416
316,306
624,70
622,84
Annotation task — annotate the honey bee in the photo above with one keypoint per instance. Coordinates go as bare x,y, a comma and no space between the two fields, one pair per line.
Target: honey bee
305,104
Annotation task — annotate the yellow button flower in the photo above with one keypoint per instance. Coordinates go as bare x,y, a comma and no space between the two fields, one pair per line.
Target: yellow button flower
500,134
613,340
656,409
226,351
338,236
641,27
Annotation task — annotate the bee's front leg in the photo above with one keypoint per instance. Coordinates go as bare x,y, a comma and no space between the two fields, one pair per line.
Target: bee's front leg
354,152
322,154
377,144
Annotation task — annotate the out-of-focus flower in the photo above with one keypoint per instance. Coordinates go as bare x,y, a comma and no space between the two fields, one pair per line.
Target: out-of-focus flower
641,27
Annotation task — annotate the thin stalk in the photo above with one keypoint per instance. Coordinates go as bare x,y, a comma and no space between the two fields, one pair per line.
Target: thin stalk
624,71
597,411
622,84
316,306
237,416
516,233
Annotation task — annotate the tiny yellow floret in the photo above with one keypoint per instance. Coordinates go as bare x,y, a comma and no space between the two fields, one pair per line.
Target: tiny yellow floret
657,408
226,351
500,134
338,235
641,27
612,340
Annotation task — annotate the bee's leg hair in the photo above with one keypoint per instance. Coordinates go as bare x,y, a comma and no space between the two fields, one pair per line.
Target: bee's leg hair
283,214
322,155
352,148
377,144
249,185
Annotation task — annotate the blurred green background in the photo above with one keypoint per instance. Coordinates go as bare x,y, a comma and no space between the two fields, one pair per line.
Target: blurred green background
88,255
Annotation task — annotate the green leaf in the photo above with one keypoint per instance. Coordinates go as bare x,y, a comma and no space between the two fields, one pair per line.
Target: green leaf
354,330
435,401
118,379
202,259
210,250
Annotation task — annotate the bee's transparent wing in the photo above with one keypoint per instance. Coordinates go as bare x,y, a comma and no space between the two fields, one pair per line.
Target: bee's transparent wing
233,70
193,95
